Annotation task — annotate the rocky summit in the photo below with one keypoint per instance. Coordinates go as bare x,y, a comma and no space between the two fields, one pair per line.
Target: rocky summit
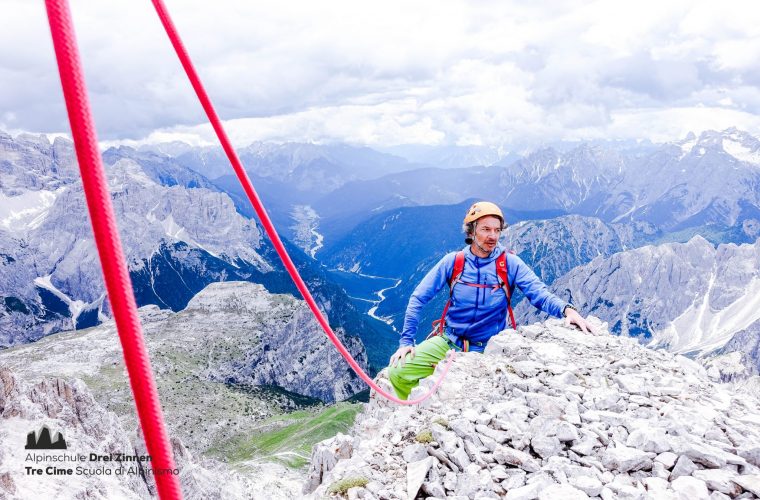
552,413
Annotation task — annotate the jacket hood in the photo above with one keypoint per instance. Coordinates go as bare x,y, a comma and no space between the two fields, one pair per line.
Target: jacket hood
481,261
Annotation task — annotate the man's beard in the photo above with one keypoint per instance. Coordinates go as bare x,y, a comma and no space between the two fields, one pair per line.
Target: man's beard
481,248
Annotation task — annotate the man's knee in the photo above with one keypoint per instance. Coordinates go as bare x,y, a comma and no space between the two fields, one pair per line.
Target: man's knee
396,373
395,376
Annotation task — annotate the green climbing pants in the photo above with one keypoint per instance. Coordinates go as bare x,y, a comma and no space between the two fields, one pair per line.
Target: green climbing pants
427,355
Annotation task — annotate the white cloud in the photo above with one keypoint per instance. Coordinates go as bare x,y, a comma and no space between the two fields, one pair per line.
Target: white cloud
431,72
664,124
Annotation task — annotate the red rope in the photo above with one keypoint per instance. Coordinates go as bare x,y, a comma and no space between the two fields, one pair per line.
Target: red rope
187,64
115,273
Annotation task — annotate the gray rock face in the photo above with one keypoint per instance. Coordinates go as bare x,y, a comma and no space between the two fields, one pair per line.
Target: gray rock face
31,163
555,246
685,297
33,173
638,416
291,351
51,276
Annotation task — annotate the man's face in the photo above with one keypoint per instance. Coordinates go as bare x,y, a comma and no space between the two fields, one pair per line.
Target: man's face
487,232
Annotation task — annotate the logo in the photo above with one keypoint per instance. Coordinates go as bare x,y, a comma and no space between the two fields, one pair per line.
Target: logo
43,441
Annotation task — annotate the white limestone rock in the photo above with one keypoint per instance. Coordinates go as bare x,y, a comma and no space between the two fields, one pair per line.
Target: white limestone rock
626,459
414,452
719,480
750,483
649,439
546,446
591,486
668,459
690,487
564,491
513,435
507,455
415,475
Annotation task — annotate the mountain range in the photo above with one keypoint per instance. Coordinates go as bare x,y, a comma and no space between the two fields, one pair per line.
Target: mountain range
354,210
179,233
659,240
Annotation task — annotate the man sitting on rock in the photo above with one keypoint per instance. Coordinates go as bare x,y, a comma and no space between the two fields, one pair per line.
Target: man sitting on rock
478,306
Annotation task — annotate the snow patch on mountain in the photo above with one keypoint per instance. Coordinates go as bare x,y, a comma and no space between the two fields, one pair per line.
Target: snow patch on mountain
177,232
687,146
741,151
702,329
75,306
26,210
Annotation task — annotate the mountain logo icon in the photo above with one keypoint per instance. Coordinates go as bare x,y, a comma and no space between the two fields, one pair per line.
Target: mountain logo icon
43,441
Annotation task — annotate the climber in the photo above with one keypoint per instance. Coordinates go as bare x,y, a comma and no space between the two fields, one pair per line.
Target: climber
479,299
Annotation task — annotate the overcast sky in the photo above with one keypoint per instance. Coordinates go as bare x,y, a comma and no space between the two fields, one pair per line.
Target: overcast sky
395,72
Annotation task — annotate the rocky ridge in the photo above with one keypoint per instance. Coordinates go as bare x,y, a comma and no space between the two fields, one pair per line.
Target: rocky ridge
69,407
552,413
209,361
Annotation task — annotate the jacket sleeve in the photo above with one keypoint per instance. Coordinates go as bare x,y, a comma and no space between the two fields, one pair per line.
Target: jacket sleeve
535,290
430,285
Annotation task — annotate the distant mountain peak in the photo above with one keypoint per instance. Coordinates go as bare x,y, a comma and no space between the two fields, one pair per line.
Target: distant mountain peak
126,171
39,140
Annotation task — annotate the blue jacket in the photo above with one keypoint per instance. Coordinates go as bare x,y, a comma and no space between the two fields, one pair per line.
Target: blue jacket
477,314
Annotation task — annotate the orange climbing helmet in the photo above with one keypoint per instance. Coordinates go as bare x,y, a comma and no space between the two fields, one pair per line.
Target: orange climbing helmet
481,209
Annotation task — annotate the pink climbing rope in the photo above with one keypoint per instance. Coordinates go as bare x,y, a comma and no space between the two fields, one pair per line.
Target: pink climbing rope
115,273
242,176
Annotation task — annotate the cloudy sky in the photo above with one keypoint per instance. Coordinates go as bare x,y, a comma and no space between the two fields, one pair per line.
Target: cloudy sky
396,72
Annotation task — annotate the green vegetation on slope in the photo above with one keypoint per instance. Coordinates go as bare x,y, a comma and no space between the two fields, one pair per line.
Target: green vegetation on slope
288,438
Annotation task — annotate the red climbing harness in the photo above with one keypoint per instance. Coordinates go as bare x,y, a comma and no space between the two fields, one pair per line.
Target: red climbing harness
502,271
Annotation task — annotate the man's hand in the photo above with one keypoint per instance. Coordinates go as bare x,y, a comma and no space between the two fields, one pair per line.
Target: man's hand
400,355
574,318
